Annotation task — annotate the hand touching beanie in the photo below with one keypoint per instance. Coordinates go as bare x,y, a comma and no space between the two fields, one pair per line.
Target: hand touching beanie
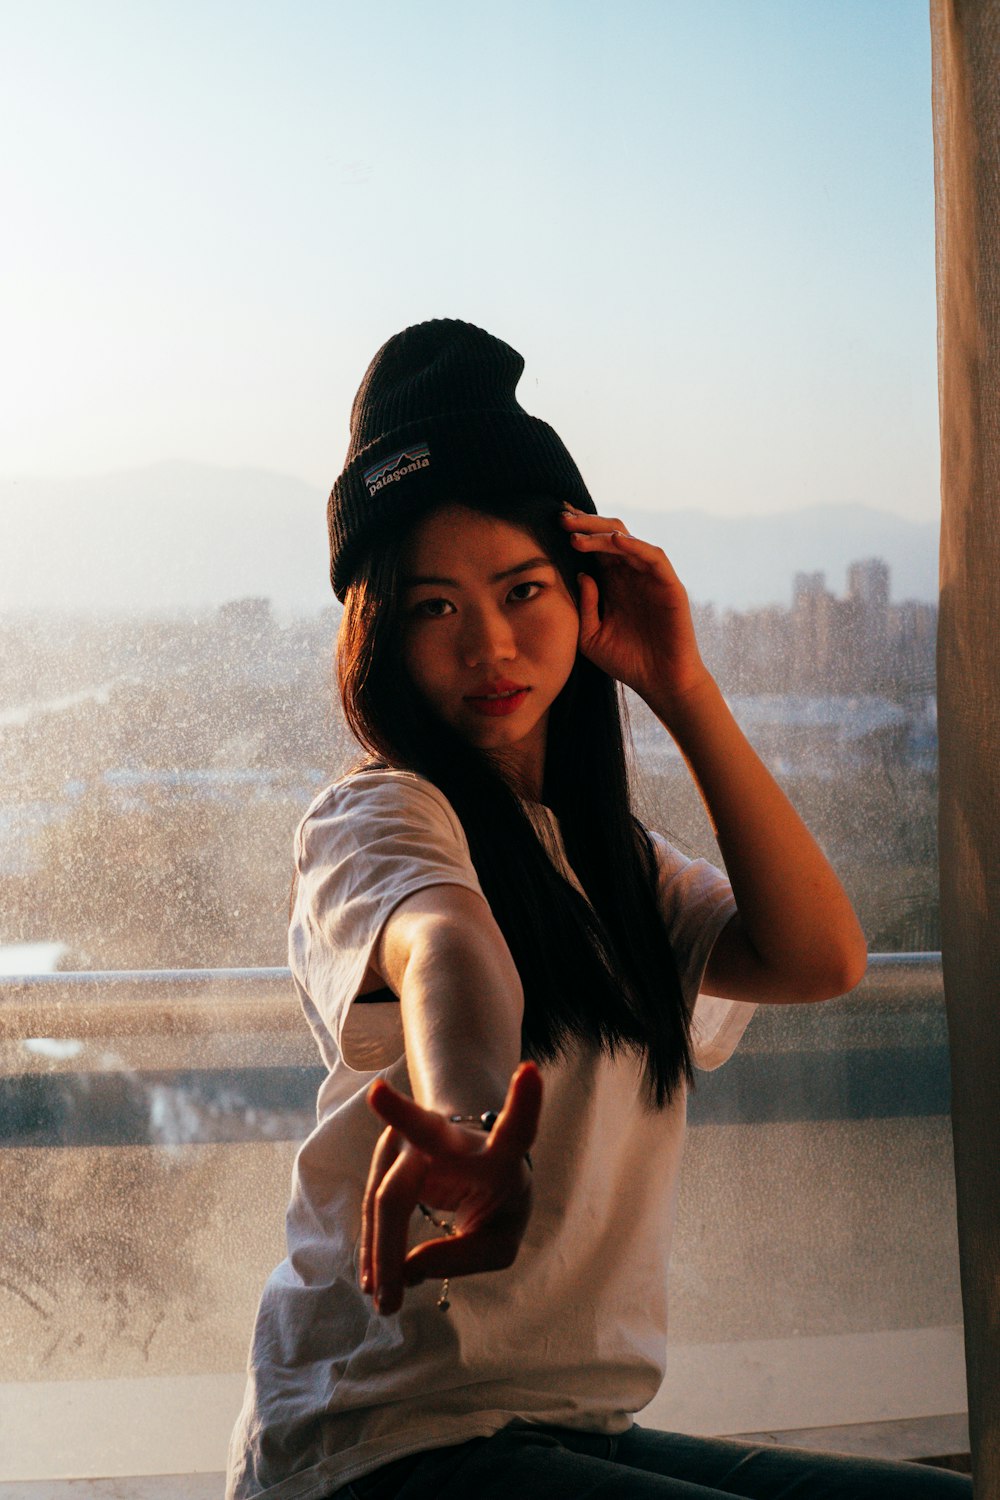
435,421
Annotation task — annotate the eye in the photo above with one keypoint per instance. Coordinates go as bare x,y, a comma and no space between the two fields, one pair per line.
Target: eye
433,609
522,592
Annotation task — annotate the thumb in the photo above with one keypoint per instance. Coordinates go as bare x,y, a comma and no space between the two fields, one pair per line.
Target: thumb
590,619
517,1122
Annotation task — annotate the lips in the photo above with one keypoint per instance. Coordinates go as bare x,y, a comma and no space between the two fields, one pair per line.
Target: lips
497,699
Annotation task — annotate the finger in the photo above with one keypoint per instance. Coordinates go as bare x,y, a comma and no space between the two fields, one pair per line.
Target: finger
395,1200
424,1128
579,520
517,1123
635,547
385,1153
642,557
601,541
589,606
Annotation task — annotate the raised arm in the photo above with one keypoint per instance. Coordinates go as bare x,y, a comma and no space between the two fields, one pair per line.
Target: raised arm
795,936
461,1001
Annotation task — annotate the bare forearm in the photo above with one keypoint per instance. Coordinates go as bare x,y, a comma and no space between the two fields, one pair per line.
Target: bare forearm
460,997
462,1043
794,911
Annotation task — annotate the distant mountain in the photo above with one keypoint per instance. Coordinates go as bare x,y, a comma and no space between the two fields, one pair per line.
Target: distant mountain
168,536
178,535
744,561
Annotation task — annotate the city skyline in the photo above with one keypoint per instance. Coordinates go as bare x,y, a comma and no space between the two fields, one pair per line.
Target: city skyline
222,726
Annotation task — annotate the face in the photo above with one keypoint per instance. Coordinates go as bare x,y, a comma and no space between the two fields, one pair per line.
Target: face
490,633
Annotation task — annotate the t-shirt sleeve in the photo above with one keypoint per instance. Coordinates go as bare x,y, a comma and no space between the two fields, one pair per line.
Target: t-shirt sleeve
697,901
368,843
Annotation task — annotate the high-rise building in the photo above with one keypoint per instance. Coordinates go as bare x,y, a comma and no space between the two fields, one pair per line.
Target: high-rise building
807,586
868,598
868,585
814,631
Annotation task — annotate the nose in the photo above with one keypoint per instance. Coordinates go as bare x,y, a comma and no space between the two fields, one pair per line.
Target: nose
488,638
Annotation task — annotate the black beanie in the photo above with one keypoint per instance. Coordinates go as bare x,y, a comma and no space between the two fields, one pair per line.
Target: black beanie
436,420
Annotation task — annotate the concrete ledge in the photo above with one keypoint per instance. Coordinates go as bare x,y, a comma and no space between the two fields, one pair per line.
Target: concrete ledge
141,1487
922,1439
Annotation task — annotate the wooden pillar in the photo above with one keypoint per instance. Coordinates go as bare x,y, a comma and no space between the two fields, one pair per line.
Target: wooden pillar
966,55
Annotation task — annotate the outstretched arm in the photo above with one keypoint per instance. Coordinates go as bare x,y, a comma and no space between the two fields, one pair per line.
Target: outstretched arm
795,936
443,954
461,1000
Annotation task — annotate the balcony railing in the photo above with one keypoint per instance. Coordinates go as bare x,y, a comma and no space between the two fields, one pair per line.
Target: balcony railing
193,1000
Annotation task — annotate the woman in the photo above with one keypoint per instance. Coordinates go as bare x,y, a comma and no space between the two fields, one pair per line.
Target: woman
502,970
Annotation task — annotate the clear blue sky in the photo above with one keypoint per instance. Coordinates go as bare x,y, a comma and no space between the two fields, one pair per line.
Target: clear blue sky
708,227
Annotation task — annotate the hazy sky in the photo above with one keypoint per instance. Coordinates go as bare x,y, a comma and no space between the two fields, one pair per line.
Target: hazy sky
707,224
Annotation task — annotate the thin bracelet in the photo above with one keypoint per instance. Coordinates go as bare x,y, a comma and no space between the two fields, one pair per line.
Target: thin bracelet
486,1122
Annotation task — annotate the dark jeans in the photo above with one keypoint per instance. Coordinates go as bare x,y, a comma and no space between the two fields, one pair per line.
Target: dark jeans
552,1463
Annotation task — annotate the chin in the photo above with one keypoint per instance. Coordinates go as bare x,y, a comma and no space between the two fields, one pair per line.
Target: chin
487,741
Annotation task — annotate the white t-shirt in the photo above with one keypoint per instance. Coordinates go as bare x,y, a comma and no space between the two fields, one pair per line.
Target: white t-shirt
574,1333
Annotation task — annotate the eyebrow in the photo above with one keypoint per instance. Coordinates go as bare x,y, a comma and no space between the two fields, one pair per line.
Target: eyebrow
416,580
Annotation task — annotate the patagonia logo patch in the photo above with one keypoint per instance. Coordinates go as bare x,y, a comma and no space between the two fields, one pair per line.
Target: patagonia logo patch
397,466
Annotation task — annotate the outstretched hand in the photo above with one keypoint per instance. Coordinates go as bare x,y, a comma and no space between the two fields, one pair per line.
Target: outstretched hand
482,1183
635,619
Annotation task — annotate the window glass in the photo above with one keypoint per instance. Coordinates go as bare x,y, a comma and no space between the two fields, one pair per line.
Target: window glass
709,230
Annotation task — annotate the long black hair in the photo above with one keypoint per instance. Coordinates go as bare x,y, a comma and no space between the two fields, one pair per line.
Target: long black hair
597,970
